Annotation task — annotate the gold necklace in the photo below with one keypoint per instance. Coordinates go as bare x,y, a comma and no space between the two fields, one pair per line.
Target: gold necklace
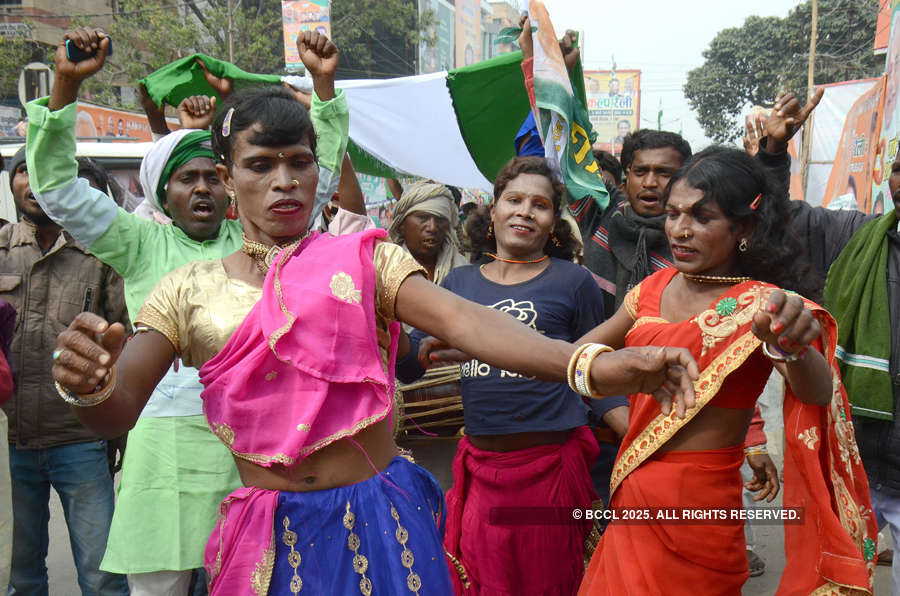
715,279
531,262
264,254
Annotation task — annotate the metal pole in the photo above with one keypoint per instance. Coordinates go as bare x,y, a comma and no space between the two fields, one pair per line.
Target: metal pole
810,82
229,34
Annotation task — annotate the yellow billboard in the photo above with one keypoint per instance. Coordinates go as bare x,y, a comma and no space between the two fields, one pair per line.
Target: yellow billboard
613,105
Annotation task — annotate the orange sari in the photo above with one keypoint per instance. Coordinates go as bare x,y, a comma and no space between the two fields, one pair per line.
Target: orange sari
831,552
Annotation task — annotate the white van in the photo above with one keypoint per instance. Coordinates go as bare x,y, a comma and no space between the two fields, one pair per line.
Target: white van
121,160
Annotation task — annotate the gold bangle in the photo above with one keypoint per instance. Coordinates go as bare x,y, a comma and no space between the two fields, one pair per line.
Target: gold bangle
91,399
756,450
590,360
582,375
570,371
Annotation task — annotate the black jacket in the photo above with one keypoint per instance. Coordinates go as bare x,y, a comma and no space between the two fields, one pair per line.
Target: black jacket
825,233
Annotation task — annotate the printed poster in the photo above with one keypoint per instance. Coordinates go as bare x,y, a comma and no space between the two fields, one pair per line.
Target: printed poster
886,149
849,184
302,15
613,104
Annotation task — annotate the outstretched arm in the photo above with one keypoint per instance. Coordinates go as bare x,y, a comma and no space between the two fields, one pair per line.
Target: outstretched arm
500,340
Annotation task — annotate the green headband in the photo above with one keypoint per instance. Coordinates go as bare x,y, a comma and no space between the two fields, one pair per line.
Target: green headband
195,144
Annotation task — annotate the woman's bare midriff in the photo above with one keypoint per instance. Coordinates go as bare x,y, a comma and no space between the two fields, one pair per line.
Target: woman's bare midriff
518,441
340,464
712,428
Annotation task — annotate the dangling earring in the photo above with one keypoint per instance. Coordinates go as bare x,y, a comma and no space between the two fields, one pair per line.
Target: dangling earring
232,200
490,233
555,240
742,246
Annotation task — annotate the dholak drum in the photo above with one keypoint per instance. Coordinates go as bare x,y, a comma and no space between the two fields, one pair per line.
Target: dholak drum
432,405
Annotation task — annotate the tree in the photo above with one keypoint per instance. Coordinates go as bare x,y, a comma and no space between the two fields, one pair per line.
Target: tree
750,64
376,38
256,32
379,38
149,34
15,53
146,34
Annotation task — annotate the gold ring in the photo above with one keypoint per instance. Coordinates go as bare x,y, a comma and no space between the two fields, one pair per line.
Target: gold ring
56,354
296,182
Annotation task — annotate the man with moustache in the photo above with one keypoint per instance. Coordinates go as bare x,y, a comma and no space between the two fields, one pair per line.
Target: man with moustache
626,242
49,278
862,292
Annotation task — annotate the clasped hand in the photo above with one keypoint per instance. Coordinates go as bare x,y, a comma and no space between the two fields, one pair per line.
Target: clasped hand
86,351
785,322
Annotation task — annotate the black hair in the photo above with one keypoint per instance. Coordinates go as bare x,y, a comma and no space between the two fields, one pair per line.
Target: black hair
281,119
94,172
478,222
646,138
736,182
607,161
457,195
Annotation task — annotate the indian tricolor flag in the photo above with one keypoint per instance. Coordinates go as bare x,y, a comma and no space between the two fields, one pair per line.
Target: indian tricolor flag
455,127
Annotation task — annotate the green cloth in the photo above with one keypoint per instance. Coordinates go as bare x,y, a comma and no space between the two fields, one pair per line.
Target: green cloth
194,144
182,78
857,297
168,495
491,103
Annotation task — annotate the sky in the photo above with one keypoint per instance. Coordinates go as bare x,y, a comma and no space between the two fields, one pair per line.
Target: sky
663,39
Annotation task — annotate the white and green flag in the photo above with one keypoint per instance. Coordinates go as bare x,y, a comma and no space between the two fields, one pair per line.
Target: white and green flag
455,127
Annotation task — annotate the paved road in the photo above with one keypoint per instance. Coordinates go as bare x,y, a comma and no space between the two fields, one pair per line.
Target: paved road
437,455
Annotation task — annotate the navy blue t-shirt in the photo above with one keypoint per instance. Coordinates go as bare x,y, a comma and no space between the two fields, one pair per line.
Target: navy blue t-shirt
562,302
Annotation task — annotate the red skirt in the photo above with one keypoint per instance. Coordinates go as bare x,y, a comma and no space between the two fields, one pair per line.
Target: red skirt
669,557
509,517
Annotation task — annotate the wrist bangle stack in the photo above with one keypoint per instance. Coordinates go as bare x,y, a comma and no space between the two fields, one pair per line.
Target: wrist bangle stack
756,450
579,370
776,354
91,399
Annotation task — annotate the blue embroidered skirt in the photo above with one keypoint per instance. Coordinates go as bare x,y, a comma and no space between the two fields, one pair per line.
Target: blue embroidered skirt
380,536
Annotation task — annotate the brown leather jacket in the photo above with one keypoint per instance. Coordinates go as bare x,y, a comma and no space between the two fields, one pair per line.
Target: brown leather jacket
48,291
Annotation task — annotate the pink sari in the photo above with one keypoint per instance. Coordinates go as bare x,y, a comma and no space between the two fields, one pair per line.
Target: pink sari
302,371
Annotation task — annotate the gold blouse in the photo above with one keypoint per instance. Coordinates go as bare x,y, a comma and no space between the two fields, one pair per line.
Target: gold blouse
198,306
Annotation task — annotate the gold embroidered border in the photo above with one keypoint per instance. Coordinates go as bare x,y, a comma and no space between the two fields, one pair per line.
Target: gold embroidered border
360,562
262,573
226,434
663,428
289,538
460,569
347,432
833,589
413,581
631,301
386,299
288,315
150,317
220,522
645,320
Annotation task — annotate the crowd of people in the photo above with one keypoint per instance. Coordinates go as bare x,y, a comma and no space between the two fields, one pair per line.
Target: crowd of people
244,328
